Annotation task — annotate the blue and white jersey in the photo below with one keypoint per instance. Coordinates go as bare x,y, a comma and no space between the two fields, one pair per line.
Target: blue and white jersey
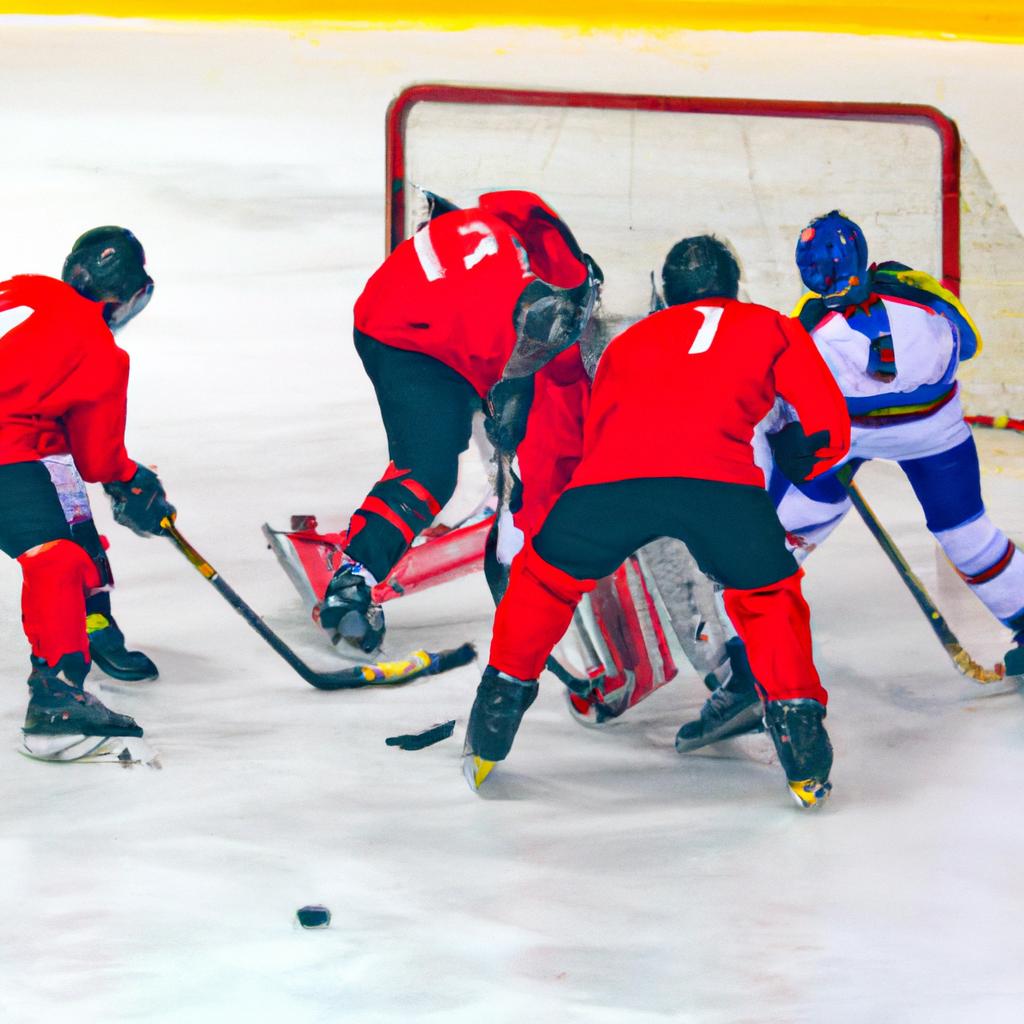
898,352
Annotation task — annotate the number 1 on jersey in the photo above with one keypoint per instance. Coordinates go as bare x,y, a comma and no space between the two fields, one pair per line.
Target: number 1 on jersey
712,317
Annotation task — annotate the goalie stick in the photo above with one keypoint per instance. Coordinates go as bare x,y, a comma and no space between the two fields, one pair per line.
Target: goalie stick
960,658
382,673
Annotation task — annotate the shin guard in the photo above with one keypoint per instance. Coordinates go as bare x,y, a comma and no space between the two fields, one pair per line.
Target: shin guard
533,615
57,576
774,623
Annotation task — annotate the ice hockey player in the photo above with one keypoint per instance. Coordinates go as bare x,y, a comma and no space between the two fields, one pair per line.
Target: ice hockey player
106,641
465,310
693,381
64,394
893,338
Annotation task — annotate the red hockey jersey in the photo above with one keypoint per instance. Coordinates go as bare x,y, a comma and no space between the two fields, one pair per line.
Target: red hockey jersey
63,381
681,392
451,290
553,445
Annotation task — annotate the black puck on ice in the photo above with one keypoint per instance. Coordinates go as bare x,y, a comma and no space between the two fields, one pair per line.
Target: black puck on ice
313,917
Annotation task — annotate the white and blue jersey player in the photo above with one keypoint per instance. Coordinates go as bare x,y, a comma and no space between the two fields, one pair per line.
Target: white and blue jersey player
893,338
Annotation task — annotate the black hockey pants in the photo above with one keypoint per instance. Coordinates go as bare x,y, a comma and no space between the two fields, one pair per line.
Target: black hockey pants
731,529
427,409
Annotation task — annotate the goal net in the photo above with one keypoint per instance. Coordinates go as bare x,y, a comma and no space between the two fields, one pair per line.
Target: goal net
633,174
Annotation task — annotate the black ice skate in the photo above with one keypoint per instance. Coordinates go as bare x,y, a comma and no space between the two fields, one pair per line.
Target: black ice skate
108,651
501,701
732,709
348,612
64,723
1013,660
795,727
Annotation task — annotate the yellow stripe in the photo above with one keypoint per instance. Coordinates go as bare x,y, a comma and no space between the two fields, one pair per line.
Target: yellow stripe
95,622
996,21
919,279
903,410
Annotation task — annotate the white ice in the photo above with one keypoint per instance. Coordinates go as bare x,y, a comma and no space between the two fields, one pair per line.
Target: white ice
600,877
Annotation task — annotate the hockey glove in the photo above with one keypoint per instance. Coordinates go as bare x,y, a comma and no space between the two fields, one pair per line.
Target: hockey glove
140,503
508,409
794,452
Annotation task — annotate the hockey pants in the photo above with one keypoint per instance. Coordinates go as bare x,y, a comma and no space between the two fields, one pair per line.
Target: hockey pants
948,488
57,572
731,531
427,409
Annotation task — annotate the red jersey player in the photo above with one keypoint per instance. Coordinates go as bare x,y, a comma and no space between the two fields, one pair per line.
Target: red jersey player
667,453
465,311
64,394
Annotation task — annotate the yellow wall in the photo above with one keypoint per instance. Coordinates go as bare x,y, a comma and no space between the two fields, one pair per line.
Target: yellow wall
997,20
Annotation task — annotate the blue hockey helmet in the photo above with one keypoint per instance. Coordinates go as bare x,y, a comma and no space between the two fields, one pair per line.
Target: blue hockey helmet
833,259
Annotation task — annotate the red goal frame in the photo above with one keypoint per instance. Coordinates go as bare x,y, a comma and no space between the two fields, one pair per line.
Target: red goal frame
945,127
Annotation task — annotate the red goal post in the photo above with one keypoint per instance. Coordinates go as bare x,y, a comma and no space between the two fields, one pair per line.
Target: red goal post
632,173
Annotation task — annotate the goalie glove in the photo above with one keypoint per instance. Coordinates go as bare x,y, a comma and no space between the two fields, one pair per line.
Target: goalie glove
794,452
140,503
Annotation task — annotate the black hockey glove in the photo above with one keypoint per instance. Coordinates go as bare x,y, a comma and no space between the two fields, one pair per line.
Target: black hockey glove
508,409
793,451
140,503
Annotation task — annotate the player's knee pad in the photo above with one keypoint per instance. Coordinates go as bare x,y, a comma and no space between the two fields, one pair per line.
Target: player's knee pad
56,564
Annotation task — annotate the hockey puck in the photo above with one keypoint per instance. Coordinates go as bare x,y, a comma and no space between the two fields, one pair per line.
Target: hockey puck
313,917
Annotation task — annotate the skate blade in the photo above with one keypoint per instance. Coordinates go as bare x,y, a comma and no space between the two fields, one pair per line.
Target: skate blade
476,769
810,792
749,720
76,748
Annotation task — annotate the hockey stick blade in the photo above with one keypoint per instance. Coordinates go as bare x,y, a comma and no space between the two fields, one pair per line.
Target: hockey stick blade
388,673
960,658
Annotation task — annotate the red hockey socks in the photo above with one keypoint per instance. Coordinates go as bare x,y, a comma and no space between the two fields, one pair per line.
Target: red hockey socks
533,615
57,576
389,519
774,623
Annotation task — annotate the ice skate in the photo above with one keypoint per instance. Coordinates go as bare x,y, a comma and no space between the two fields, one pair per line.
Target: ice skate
732,709
501,701
108,651
803,746
64,723
1013,660
348,611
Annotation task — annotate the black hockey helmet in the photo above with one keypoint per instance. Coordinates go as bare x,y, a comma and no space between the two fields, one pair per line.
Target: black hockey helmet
108,264
701,267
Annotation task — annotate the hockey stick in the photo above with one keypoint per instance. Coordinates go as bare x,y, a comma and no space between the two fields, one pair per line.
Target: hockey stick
960,658
381,673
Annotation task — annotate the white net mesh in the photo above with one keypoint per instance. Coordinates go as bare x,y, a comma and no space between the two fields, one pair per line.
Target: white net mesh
632,182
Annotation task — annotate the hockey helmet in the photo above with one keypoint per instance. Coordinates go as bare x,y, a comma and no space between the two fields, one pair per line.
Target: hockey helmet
700,267
832,256
108,264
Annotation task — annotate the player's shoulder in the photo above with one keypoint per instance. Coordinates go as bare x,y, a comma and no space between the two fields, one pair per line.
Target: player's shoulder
810,311
892,280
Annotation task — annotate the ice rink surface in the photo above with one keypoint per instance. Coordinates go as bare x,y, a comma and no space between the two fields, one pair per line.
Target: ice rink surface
600,877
